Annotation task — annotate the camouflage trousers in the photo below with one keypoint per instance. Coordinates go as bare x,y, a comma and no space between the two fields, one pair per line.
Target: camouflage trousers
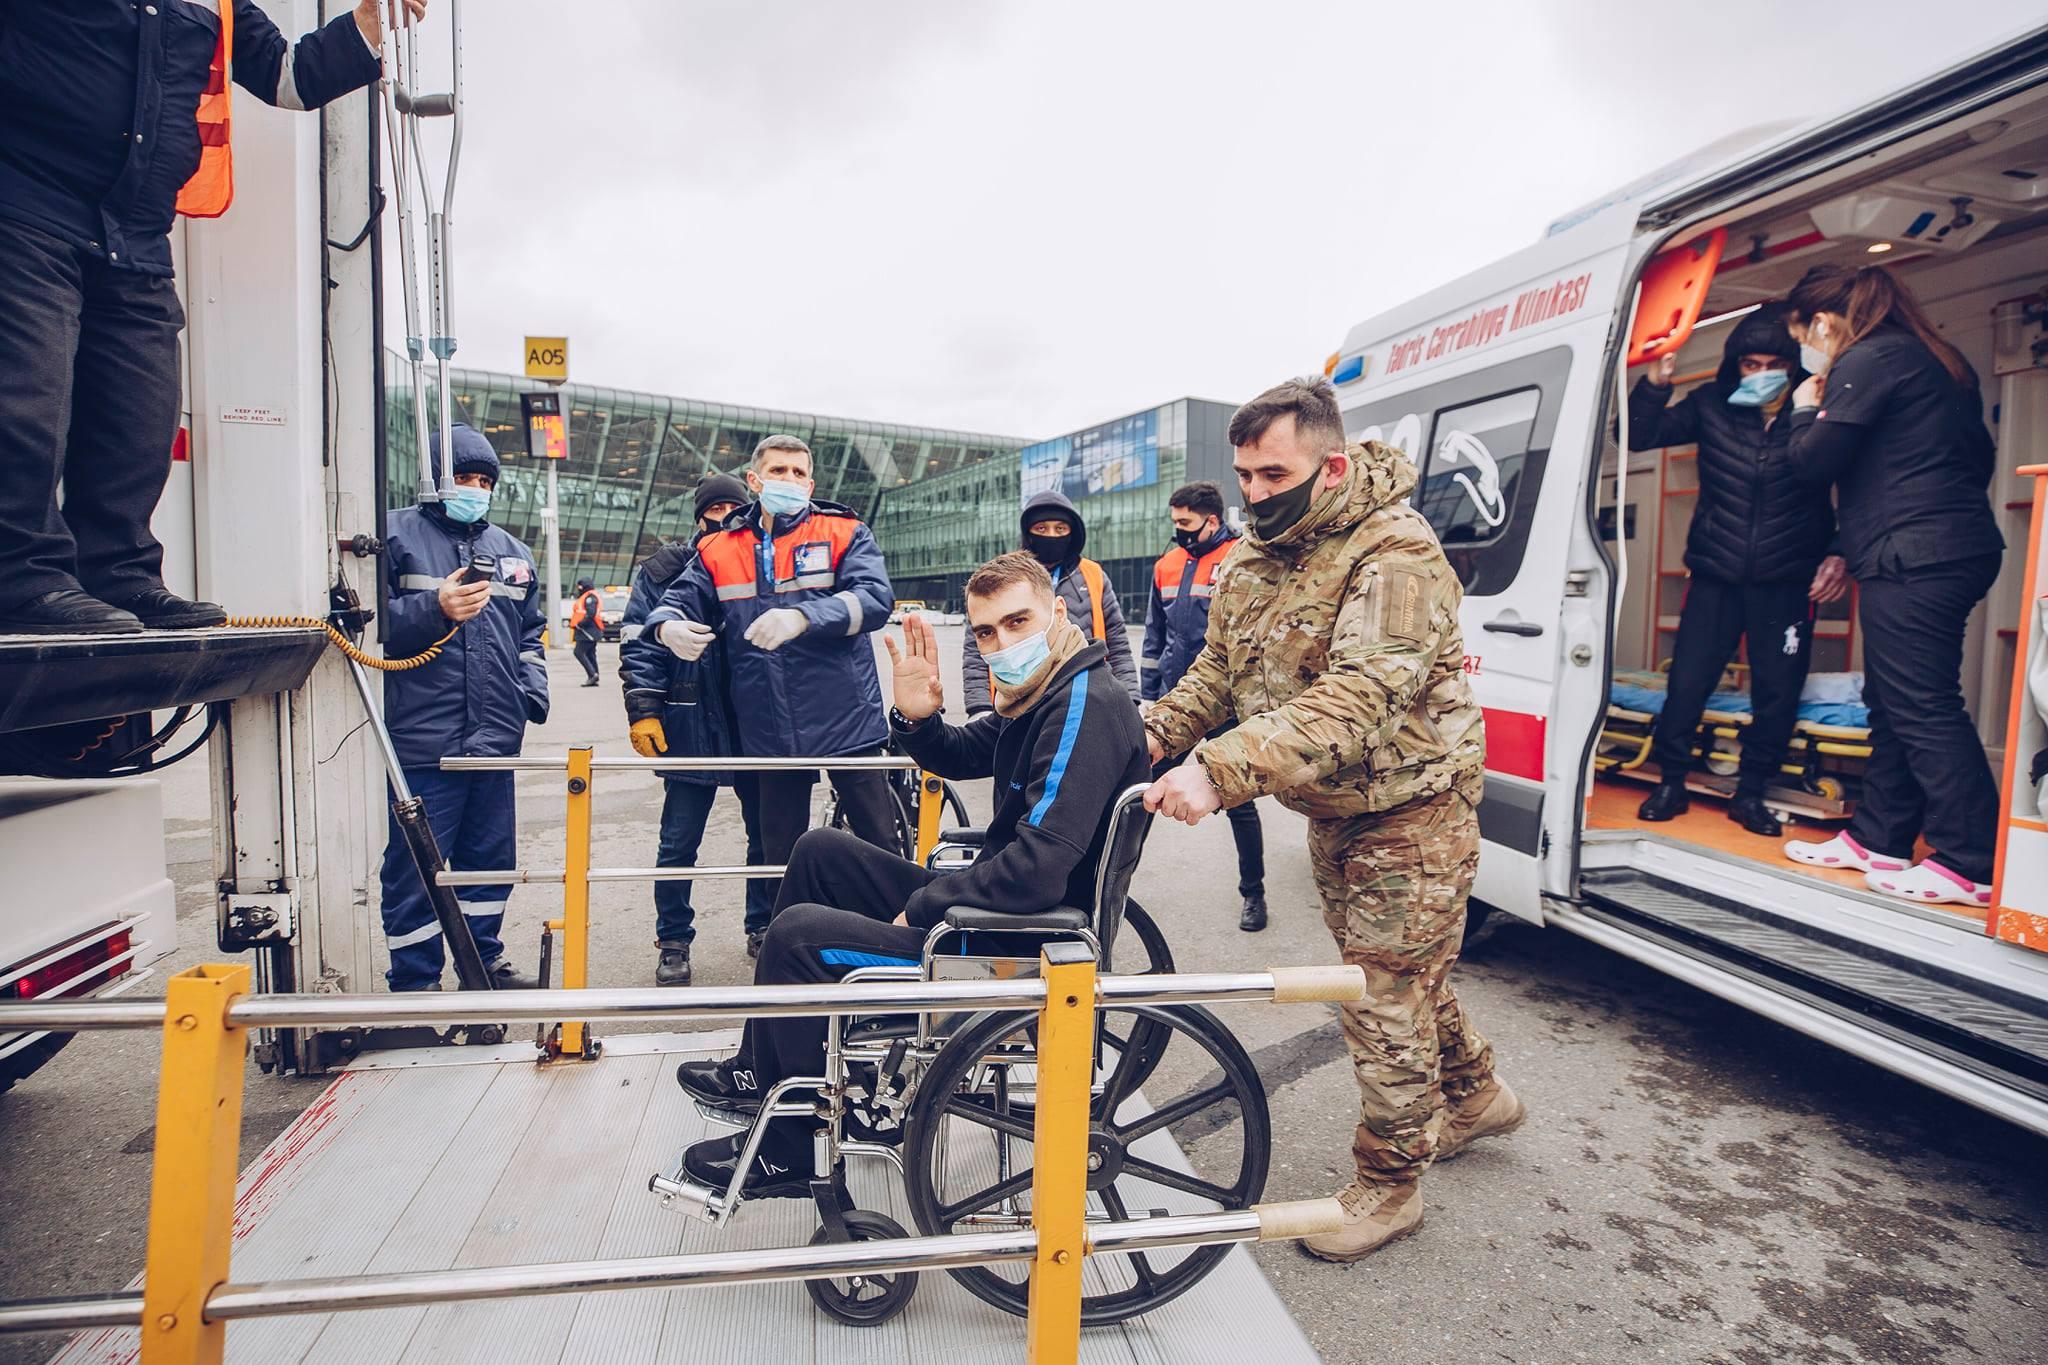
1393,887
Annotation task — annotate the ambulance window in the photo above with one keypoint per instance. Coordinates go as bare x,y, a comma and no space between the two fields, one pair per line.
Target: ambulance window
1480,443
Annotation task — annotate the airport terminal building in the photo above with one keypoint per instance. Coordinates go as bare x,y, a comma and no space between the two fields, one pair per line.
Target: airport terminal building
940,502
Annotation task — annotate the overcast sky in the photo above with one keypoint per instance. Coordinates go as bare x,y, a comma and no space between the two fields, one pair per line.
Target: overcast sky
1028,217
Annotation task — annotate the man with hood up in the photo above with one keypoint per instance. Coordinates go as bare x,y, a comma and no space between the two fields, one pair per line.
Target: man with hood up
1334,645
586,623
1758,554
1055,535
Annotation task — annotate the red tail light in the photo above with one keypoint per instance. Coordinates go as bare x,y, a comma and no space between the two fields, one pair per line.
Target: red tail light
47,979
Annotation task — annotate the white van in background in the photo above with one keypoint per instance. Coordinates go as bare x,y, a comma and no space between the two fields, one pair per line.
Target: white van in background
1507,388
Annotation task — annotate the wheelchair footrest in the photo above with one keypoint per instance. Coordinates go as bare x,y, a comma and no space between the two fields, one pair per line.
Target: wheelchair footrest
718,1113
682,1194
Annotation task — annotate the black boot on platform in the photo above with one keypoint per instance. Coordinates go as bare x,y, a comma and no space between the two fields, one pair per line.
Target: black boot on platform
1667,802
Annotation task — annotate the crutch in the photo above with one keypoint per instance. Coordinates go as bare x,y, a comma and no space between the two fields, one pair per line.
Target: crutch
403,111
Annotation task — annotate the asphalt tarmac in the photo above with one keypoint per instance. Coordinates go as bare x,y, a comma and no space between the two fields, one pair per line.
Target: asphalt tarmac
1694,1183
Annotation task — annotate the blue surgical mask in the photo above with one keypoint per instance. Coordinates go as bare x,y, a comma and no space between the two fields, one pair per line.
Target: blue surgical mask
1812,358
783,497
1014,666
1757,389
467,505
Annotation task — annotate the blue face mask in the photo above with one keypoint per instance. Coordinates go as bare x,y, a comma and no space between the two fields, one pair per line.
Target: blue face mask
1757,389
467,505
783,497
1014,666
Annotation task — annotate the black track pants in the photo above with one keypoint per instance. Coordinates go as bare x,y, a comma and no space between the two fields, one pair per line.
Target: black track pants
1777,620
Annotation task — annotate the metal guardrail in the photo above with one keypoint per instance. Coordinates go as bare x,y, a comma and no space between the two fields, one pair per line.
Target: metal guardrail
187,1298
580,767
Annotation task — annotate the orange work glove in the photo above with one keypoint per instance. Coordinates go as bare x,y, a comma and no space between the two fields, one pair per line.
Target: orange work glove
648,739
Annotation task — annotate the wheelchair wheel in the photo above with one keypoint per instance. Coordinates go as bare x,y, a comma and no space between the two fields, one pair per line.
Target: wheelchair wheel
967,1160
864,1300
1140,950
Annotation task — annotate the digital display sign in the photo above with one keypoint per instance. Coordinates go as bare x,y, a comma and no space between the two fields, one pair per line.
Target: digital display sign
547,434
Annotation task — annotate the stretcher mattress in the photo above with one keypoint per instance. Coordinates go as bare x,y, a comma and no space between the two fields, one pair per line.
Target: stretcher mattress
1644,691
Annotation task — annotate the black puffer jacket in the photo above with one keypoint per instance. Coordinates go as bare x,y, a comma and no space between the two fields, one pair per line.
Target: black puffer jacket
1752,522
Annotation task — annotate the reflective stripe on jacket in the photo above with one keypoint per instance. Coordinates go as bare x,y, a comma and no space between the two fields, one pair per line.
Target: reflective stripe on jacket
820,695
476,698
1177,620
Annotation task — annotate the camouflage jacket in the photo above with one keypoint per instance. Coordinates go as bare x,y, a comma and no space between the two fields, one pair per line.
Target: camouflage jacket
1336,647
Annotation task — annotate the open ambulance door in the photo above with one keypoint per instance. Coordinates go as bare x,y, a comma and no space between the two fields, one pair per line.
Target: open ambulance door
1493,386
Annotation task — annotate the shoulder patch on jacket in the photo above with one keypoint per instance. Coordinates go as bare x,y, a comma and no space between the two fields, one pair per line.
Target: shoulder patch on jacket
1404,610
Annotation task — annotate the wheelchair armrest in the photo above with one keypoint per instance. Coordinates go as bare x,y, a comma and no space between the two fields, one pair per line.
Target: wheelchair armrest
973,919
969,838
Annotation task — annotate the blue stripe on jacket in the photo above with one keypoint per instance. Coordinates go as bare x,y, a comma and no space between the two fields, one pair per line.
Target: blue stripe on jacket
1077,704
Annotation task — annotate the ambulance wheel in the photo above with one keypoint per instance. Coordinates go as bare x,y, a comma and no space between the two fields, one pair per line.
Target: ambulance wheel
864,1300
967,1161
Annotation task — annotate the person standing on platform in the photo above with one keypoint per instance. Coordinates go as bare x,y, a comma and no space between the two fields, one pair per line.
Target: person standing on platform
678,709
1894,420
474,700
1053,532
1176,624
793,587
114,119
586,623
1334,643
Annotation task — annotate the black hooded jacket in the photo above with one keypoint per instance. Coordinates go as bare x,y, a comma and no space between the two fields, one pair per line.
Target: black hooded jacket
1752,522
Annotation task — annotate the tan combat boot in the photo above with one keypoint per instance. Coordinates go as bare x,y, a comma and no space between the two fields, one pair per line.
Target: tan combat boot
1490,1111
1374,1215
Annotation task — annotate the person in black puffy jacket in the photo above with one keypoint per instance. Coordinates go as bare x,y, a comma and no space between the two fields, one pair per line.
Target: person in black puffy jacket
1759,556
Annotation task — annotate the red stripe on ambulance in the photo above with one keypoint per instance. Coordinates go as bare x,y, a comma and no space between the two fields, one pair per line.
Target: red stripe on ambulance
1514,744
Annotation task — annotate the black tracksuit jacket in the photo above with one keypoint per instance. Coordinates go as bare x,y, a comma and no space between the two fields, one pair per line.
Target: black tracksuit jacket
1057,769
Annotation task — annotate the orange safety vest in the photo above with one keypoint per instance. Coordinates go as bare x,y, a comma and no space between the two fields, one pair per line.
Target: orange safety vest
212,187
1091,574
589,607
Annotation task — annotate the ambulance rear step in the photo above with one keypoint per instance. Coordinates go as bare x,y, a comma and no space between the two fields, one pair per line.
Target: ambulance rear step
1986,1045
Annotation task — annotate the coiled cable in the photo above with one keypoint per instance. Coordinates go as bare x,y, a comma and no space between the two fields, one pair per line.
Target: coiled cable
343,643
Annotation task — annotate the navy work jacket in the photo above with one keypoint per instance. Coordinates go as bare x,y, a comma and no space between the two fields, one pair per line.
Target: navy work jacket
99,109
491,679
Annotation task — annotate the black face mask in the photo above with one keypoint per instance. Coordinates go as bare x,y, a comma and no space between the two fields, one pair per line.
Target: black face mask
1272,516
1190,540
1051,551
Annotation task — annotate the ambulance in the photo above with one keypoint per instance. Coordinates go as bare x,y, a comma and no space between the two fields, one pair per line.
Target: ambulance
1508,389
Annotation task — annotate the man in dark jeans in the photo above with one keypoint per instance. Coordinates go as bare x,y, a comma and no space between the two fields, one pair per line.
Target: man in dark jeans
100,130
685,710
1176,625
586,623
1063,741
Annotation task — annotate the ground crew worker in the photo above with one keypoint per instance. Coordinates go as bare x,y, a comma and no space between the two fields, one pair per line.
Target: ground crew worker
685,710
586,623
473,701
1334,643
792,587
101,107
1176,624
1063,742
1052,530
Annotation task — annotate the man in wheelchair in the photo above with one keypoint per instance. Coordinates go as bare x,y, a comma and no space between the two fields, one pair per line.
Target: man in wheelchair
1063,741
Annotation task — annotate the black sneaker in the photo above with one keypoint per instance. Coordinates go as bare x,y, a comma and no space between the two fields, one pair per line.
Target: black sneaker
754,937
161,609
781,1167
729,1084
1253,917
1667,801
674,967
506,977
67,611
1752,814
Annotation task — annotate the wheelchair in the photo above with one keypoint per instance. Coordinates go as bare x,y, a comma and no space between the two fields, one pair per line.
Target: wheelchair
950,1101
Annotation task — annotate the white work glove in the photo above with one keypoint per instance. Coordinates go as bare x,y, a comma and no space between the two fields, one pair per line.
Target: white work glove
686,639
776,628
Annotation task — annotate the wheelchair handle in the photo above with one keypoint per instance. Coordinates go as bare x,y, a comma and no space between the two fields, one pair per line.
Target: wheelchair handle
1298,1218
1344,985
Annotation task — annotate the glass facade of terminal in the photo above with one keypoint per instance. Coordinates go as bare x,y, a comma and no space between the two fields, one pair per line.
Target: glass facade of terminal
1118,475
940,502
635,460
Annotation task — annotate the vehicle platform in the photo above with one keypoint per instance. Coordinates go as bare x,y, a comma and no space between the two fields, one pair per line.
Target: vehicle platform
459,1156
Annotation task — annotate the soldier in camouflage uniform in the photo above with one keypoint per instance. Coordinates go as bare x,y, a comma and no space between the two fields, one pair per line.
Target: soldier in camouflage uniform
1334,643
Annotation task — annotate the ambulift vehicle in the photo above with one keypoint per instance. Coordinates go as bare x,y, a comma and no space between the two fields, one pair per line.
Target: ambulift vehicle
949,1100
1508,389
